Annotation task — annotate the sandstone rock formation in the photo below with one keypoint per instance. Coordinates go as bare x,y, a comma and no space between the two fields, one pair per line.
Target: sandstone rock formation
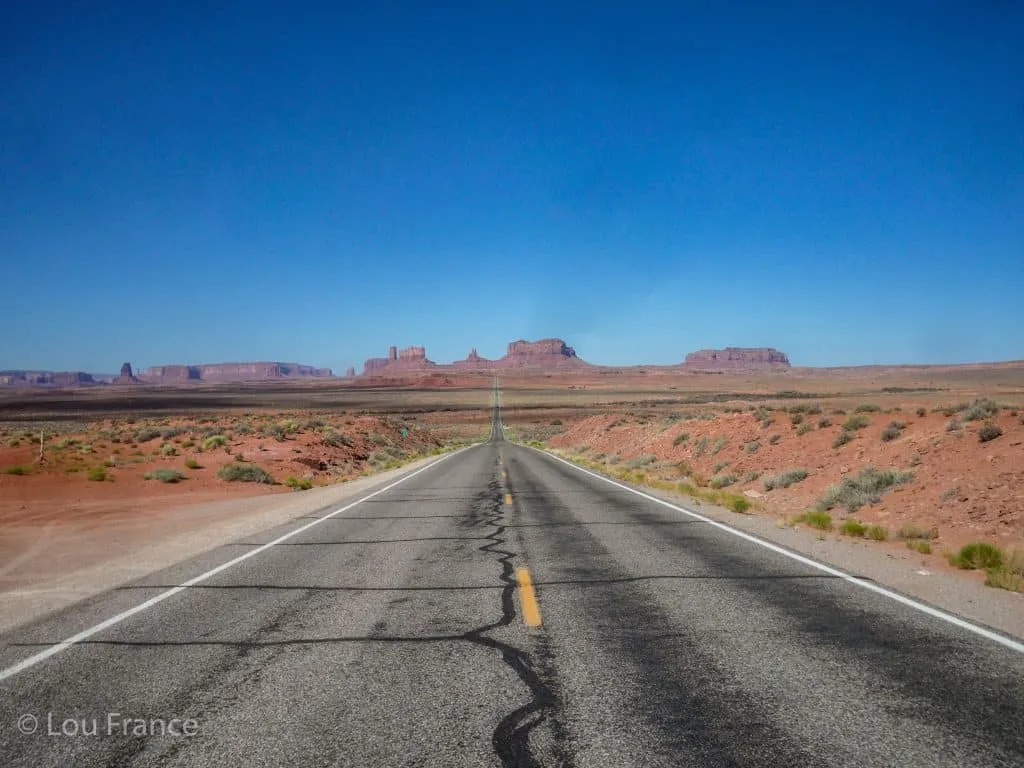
52,378
737,358
546,353
350,372
126,376
230,372
408,359
473,360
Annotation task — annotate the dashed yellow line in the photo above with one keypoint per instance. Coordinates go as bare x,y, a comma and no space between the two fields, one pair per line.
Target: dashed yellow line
508,498
531,610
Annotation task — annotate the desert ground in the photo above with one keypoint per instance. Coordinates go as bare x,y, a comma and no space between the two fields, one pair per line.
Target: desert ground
908,443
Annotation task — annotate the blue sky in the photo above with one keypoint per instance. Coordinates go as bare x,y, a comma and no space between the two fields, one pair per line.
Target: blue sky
286,181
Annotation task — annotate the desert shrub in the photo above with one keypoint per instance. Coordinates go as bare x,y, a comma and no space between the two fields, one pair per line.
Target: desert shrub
188,443
989,432
824,422
889,434
214,441
796,419
720,443
920,545
785,479
701,446
719,467
276,431
949,494
753,446
877,532
17,469
842,439
738,504
168,449
818,519
641,461
851,527
911,531
614,459
722,481
244,473
982,408
97,474
867,408
866,488
298,485
854,423
145,435
191,463
953,425
336,439
774,439
921,412
681,438
767,423
170,432
803,429
1010,574
978,554
164,475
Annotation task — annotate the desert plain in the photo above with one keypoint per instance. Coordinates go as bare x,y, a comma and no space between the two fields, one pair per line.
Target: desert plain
918,459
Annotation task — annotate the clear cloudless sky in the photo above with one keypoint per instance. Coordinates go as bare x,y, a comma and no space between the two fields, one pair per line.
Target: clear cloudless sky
220,181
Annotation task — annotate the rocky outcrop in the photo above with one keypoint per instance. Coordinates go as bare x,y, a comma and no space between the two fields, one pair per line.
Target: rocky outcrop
171,374
398,360
350,372
546,353
51,378
737,358
229,372
543,354
126,376
473,360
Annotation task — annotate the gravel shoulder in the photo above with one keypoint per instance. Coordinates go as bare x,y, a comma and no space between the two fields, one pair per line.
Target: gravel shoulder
887,565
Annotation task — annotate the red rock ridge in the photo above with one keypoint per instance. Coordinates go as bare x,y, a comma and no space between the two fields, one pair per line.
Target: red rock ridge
546,353
737,358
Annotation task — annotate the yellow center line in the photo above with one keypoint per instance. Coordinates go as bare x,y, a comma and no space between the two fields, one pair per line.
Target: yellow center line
508,498
531,610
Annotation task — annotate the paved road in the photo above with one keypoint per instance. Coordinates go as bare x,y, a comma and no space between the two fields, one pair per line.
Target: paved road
392,634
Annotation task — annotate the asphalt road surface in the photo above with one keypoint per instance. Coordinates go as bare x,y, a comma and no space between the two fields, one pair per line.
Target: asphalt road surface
391,632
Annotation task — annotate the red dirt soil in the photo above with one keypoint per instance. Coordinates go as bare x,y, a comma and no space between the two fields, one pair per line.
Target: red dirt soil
59,491
988,478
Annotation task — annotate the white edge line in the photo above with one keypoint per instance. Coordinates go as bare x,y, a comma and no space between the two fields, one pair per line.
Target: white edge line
868,585
53,650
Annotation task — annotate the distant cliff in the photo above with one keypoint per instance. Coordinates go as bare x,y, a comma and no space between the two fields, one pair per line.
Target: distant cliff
737,358
543,354
228,372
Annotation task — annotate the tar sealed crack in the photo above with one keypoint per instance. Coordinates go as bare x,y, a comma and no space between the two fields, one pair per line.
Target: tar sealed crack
511,737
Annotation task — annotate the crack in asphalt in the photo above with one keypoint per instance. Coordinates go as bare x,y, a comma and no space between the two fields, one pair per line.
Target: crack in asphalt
511,737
